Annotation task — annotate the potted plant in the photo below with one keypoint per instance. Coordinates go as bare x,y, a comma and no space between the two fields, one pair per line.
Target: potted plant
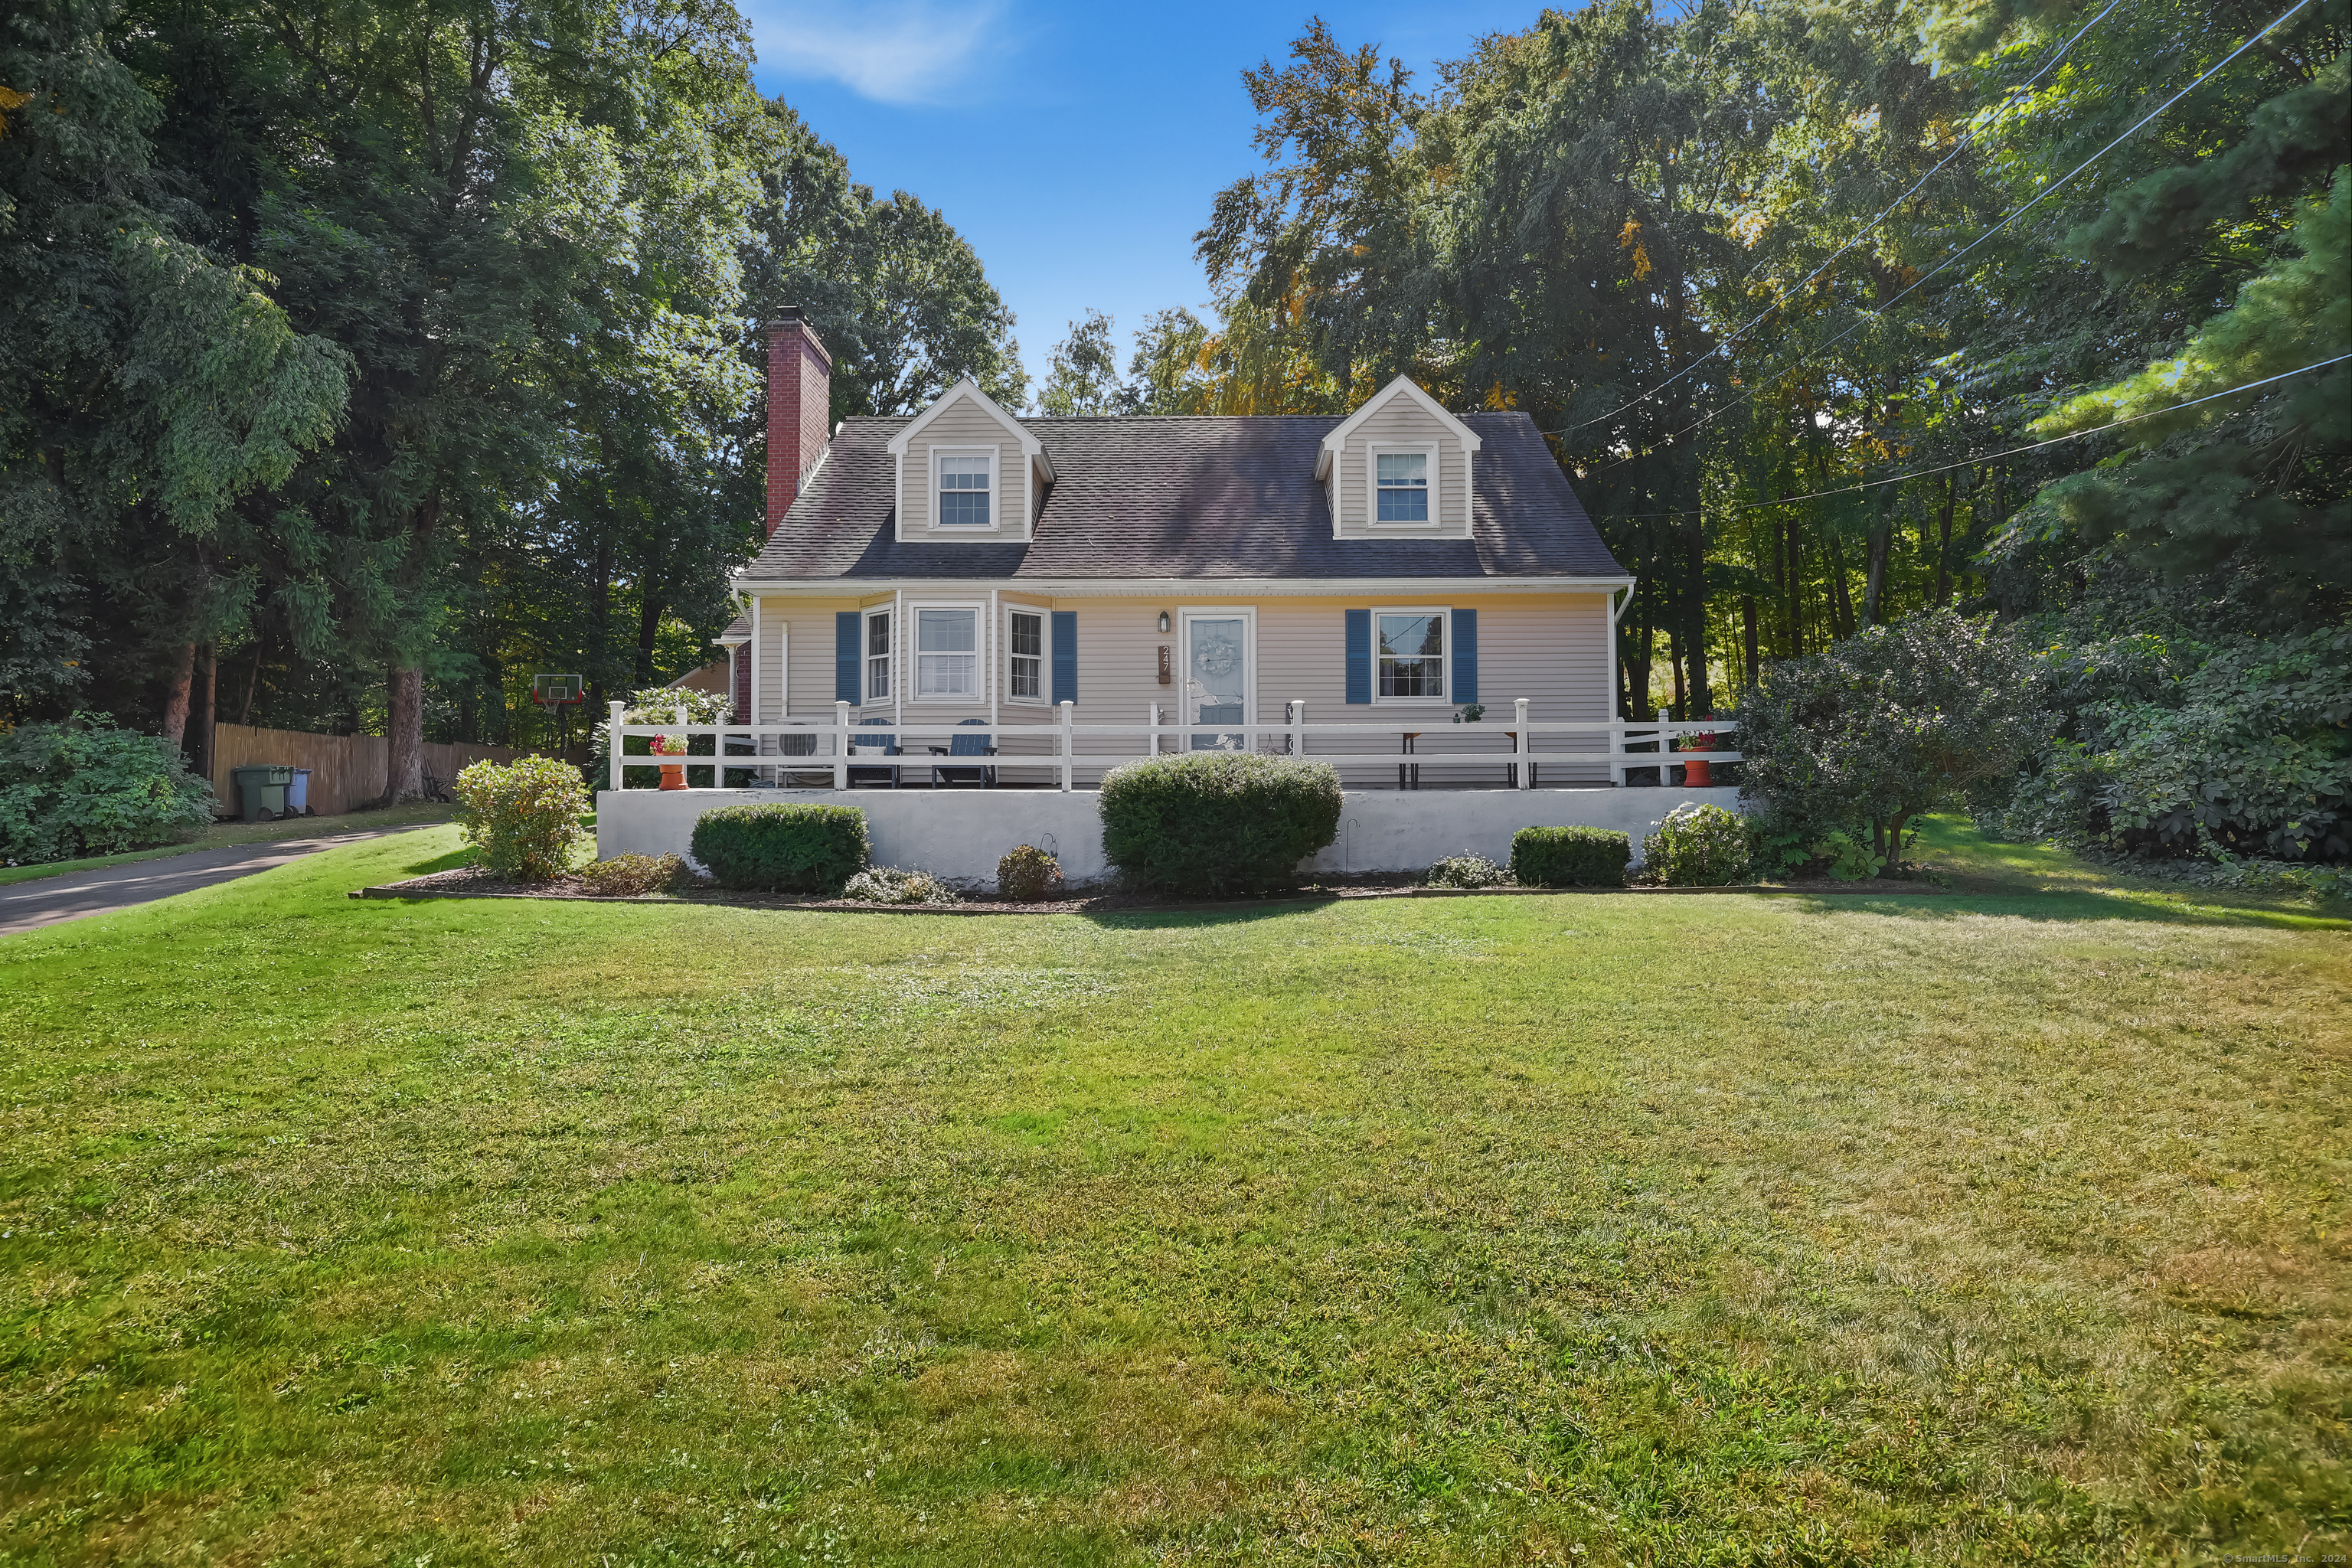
673,775
1697,772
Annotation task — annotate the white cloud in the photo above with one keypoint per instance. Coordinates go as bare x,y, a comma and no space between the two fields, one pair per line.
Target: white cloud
897,53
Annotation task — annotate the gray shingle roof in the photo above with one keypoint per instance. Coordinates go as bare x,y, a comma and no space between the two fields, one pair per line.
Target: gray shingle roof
1207,496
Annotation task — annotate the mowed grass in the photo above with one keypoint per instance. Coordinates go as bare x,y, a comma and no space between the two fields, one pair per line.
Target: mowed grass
2006,1225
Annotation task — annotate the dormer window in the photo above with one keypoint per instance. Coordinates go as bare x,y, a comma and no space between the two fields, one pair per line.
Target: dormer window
965,480
1403,485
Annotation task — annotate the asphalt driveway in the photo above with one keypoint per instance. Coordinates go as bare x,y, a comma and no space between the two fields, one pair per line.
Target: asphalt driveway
27,906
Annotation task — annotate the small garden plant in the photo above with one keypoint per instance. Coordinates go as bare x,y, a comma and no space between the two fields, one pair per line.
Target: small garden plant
890,884
780,848
1697,847
634,876
1570,857
523,819
1029,875
1465,872
1206,823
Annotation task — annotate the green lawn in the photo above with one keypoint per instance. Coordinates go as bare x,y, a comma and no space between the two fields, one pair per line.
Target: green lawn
221,834
2005,1226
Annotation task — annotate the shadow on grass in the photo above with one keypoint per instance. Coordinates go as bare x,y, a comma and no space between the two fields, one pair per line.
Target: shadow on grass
448,862
1213,915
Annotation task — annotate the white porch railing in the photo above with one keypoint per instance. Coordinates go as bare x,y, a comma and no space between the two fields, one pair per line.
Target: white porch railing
820,748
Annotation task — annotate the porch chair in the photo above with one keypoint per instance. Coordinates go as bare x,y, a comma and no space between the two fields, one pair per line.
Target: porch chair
965,746
872,774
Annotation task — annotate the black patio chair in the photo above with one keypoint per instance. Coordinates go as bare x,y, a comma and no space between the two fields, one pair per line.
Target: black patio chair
966,746
872,775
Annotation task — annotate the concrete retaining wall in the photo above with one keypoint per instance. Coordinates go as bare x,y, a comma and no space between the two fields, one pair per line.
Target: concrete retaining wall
958,836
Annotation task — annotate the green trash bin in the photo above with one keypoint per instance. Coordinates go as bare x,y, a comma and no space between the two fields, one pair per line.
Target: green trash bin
261,791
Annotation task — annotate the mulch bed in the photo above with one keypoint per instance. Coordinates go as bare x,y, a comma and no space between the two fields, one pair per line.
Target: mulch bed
471,882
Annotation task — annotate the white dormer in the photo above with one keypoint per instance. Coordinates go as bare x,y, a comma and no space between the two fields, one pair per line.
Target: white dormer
968,469
1398,468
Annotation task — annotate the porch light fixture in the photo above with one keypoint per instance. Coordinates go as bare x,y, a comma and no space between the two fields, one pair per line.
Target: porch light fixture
1164,622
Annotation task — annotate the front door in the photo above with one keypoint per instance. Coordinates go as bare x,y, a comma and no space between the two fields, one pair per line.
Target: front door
1216,680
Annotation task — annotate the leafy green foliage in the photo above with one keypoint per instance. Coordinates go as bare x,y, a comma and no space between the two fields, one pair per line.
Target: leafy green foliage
796,848
1570,856
1865,737
522,818
1465,872
1217,822
891,885
1028,875
634,876
1698,847
2182,748
87,787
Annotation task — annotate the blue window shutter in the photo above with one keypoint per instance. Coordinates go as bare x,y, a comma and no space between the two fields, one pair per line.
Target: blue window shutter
1360,655
1065,656
1465,656
844,655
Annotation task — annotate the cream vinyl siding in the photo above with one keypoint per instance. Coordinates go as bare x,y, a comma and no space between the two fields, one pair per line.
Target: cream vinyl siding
964,423
1406,426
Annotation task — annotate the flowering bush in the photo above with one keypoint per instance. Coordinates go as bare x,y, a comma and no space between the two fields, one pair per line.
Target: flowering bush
1697,847
634,876
86,787
524,818
888,885
1465,872
1028,876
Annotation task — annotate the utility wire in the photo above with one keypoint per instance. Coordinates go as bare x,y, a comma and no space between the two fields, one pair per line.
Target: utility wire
1992,457
1915,283
1866,230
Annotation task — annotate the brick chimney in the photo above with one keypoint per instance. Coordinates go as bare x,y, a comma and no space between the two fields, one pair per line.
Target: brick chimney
799,398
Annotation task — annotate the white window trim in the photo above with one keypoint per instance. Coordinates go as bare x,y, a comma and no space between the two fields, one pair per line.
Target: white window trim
1373,452
996,491
1185,615
913,611
1445,612
1045,698
865,655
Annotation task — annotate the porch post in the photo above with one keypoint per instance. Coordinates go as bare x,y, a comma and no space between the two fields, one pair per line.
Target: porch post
1153,723
1299,726
841,746
1522,774
1067,708
613,734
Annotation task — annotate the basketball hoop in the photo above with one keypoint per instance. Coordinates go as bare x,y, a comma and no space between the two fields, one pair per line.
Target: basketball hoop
554,691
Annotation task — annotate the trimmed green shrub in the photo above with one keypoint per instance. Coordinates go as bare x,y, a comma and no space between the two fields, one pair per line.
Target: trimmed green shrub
1217,822
1029,875
1464,871
782,848
890,884
634,876
524,818
85,787
1698,847
1570,856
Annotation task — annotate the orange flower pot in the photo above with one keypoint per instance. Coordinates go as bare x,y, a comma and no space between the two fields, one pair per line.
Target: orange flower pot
673,776
1695,774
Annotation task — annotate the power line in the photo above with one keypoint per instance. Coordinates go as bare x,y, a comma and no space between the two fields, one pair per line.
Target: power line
1993,456
1917,282
1866,230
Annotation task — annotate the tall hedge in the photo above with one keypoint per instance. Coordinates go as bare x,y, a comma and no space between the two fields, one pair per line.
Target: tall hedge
1217,822
782,848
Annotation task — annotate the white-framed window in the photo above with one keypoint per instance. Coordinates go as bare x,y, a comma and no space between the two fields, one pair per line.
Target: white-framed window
878,655
966,487
1024,644
1409,655
1403,485
947,653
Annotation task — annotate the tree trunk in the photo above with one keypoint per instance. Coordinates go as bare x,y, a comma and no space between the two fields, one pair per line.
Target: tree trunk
1882,541
252,681
1796,606
1702,695
175,694
649,615
1841,591
207,712
1675,644
1943,544
405,729
1637,666
1747,625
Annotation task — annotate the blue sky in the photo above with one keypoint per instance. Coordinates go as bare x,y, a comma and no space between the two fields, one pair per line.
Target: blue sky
1077,147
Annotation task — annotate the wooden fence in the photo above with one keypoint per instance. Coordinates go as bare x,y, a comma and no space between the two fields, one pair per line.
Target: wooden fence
345,770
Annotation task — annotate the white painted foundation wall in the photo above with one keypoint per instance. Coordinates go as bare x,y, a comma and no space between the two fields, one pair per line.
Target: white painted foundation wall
958,836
